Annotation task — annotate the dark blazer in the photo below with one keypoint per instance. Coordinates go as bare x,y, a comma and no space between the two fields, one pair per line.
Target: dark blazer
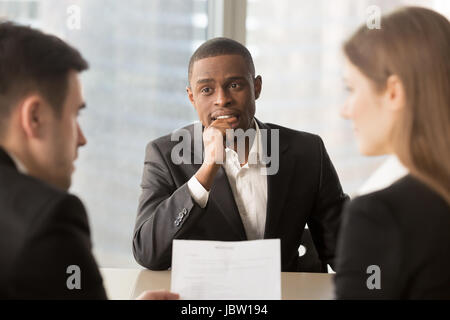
405,230
306,189
43,230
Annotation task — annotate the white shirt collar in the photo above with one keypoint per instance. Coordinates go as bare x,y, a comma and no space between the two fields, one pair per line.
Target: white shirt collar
255,152
18,163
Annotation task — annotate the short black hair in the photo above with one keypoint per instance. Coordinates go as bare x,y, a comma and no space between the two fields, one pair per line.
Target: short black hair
218,47
31,60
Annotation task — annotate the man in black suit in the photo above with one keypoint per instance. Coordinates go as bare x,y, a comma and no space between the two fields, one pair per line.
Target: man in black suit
45,246
235,191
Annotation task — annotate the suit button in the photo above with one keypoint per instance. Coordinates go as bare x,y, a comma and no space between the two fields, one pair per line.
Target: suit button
177,222
182,213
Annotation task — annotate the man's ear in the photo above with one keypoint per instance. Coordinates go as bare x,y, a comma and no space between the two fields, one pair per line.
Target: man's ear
190,95
395,93
31,116
258,86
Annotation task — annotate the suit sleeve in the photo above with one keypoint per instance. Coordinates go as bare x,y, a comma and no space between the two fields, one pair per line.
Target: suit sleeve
57,239
165,213
370,239
325,219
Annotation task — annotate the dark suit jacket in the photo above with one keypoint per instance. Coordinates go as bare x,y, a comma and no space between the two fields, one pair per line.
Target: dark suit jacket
43,230
403,229
306,189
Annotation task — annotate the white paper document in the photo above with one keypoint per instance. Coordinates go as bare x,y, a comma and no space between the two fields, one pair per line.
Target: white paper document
222,270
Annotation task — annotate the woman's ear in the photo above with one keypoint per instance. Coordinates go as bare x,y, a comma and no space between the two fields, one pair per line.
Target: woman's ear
395,93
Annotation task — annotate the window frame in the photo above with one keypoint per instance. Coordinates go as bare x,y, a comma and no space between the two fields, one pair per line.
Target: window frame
227,19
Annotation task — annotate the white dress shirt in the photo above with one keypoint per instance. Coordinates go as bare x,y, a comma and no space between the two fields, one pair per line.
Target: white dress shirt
248,184
390,171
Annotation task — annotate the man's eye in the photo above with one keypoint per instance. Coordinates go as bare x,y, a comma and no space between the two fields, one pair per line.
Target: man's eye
234,85
206,90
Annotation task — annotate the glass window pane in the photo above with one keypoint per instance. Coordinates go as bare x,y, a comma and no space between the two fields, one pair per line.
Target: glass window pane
296,45
138,52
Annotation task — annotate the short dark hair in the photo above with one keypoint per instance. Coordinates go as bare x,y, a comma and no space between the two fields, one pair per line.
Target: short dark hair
32,60
218,47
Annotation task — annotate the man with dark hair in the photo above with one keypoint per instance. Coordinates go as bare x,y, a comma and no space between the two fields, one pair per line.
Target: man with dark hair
44,229
219,47
45,246
230,193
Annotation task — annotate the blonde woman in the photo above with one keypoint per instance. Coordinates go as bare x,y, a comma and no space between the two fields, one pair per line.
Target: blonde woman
395,243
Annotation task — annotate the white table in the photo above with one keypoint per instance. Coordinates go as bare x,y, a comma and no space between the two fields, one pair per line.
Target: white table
124,284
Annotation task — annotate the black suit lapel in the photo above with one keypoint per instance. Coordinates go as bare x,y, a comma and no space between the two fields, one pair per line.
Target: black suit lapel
5,159
277,191
277,184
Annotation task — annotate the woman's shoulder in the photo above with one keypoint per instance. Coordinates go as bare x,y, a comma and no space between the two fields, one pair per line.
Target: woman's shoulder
407,196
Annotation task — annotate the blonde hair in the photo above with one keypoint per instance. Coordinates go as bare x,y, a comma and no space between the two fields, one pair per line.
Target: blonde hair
414,44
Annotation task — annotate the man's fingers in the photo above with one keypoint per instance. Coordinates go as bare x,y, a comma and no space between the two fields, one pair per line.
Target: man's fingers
223,123
158,295
222,126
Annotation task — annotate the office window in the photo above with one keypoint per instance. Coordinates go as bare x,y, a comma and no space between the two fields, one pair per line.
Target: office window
296,47
138,51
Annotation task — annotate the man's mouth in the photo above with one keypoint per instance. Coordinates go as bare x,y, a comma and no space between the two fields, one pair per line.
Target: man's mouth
235,119
225,116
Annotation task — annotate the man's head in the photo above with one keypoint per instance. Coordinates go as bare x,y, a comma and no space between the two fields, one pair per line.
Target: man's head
40,97
222,82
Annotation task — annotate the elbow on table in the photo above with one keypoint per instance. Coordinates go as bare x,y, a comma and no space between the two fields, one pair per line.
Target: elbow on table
149,258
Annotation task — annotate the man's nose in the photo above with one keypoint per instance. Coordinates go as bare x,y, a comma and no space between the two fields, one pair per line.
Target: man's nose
223,98
81,138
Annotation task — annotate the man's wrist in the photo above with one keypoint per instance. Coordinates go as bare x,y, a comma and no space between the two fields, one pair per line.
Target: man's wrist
205,175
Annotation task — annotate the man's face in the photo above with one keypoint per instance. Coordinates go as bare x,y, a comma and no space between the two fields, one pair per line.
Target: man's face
63,137
224,86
